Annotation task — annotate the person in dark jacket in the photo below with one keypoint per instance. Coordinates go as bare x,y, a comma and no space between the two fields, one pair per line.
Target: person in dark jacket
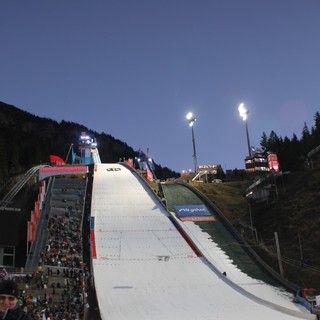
9,308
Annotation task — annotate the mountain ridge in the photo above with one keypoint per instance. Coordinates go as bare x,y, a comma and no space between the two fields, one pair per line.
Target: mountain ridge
28,140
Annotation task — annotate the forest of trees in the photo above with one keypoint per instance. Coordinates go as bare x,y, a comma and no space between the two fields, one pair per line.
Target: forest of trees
292,153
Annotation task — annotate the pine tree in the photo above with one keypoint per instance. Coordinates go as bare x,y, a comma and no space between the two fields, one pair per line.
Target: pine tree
274,142
306,139
264,142
315,131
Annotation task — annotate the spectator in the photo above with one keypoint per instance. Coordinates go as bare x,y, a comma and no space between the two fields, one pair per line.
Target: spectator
9,308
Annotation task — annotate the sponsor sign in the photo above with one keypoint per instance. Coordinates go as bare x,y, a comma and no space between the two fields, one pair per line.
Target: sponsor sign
32,229
113,169
194,213
147,174
192,210
92,239
54,171
11,209
196,219
93,244
208,167
91,223
63,170
273,162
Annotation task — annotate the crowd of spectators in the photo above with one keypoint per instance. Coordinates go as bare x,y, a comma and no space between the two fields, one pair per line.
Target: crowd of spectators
64,247
57,290
54,294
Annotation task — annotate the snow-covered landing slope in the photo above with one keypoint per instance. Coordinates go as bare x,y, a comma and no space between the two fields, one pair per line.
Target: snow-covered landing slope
144,269
223,263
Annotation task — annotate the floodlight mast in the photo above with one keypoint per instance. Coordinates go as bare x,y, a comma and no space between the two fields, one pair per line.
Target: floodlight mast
192,119
244,115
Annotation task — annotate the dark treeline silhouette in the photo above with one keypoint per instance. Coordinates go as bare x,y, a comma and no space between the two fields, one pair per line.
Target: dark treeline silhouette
27,140
292,153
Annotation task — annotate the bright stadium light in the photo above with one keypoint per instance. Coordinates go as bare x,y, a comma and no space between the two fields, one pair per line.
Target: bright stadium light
243,111
244,115
192,119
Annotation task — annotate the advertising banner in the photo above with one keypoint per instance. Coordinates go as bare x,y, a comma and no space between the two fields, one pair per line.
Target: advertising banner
31,234
54,171
208,167
192,210
93,245
194,213
273,162
148,175
37,209
92,239
198,218
33,216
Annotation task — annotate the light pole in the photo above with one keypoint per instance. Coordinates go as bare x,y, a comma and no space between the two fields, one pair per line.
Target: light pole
244,115
192,119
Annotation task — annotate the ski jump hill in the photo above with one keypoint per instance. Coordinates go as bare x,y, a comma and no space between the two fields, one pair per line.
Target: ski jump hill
147,266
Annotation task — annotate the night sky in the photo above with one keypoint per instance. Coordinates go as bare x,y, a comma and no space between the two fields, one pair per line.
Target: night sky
135,68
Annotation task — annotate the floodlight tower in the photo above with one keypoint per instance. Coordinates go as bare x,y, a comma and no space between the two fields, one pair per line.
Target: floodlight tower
192,119
244,115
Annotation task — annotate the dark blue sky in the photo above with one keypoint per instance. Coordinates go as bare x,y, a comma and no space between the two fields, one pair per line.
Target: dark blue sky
134,68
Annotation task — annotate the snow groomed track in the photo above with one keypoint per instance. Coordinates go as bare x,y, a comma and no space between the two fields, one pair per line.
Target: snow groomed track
145,269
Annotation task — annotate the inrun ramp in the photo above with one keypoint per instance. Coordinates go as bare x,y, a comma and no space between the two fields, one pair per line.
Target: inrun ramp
144,268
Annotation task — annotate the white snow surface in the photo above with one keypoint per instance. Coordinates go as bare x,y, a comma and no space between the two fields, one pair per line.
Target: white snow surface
145,269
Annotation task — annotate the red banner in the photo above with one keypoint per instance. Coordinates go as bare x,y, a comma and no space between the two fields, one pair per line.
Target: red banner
93,245
37,209
148,175
129,162
34,230
31,234
33,216
273,162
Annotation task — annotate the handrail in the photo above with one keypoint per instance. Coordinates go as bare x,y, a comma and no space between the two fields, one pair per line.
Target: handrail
19,185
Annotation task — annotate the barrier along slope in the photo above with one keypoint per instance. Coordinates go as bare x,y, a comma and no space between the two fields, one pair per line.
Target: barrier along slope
145,267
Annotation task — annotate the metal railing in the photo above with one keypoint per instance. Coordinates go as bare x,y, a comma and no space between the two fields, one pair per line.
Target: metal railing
7,199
